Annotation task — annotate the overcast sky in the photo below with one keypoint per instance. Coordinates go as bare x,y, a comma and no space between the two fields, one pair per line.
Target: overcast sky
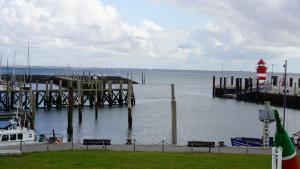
170,34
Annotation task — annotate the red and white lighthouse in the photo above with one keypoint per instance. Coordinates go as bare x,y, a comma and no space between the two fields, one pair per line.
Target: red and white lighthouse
261,71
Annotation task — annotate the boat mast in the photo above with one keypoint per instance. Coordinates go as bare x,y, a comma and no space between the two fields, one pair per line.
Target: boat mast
1,66
284,97
28,62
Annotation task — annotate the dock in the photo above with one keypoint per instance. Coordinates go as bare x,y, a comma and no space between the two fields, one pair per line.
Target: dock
248,89
52,91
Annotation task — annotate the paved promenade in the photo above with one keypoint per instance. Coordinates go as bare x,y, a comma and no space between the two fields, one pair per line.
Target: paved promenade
17,149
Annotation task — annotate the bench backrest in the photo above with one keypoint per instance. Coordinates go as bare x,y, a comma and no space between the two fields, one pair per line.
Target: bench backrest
201,144
96,142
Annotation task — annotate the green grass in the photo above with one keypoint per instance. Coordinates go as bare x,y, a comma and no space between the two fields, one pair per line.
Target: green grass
133,160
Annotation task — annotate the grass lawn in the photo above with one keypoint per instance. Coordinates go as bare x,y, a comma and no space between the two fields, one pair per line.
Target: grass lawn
133,160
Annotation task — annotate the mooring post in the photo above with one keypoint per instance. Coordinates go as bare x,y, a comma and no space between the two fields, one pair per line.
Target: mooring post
299,83
70,114
241,85
224,83
110,93
21,97
7,96
12,98
91,95
46,101
174,118
237,83
232,78
60,95
214,87
220,83
50,94
246,86
120,99
291,82
251,84
129,105
79,100
257,89
102,87
96,98
37,94
33,112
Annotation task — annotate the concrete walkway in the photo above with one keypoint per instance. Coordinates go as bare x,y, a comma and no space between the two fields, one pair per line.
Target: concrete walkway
138,147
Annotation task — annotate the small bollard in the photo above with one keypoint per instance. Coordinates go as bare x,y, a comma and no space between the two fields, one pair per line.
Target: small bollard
21,146
72,144
134,145
48,145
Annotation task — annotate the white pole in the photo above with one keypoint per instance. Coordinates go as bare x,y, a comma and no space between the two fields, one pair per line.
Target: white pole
276,158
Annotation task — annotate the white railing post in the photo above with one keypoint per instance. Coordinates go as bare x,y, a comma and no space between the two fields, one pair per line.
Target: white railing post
276,158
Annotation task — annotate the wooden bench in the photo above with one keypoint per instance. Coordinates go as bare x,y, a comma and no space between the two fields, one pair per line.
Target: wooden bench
103,142
201,144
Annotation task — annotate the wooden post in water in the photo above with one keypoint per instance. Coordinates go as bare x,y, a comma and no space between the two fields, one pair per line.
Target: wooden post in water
224,85
12,99
251,84
79,90
46,101
120,99
214,87
60,95
33,112
36,94
96,98
70,114
31,101
299,83
91,96
21,97
237,84
129,105
50,94
110,93
220,84
232,78
241,85
174,119
257,89
291,82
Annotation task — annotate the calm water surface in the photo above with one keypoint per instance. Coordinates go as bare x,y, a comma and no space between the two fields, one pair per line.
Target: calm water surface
199,116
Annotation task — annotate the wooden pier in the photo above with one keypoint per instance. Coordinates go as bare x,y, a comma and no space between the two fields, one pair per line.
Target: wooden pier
51,92
248,89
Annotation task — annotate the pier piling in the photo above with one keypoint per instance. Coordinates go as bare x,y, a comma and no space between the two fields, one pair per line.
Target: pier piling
174,118
129,106
70,114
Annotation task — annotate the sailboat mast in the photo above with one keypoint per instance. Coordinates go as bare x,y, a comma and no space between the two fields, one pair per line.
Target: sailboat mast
1,66
28,62
285,92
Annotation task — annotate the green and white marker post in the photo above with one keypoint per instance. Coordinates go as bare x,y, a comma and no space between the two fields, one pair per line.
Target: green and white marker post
289,157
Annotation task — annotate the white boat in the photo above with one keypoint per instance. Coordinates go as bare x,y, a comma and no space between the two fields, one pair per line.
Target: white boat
13,133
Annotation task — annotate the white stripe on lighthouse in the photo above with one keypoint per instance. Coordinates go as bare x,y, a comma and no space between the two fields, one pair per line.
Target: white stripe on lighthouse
289,157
